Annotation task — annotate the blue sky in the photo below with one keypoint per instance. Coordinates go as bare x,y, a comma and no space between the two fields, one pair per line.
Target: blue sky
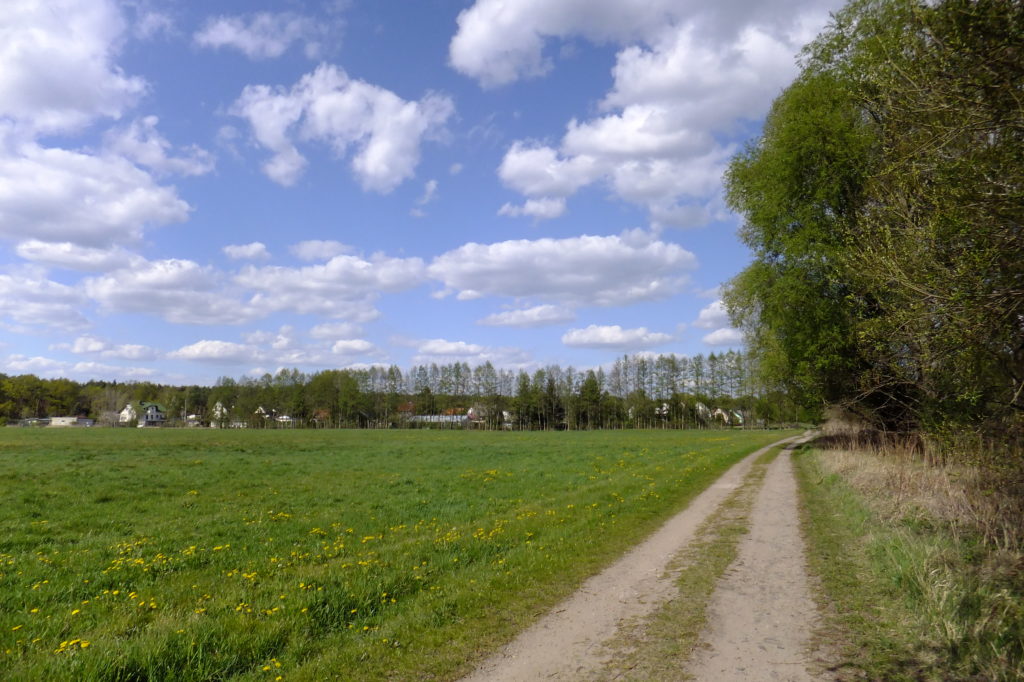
190,190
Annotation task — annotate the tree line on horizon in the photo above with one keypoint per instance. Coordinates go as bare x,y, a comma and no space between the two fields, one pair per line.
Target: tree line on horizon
636,391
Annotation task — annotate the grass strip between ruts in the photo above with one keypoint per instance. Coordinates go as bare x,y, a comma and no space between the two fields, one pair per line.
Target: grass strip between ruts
659,646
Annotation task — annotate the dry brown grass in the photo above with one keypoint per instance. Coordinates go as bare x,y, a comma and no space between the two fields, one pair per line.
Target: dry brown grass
923,555
903,475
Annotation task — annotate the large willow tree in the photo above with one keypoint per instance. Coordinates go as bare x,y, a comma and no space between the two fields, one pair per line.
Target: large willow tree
884,203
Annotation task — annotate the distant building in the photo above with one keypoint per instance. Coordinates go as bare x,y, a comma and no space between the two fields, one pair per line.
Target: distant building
144,414
447,419
219,415
728,418
34,421
63,421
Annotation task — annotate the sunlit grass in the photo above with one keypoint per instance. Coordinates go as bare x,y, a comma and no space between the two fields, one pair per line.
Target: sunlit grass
914,593
189,555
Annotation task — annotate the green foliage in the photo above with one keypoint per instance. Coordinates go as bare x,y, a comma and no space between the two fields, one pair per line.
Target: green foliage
196,555
799,188
884,204
638,392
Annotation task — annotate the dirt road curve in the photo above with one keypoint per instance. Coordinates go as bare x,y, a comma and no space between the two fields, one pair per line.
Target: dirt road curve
761,614
566,643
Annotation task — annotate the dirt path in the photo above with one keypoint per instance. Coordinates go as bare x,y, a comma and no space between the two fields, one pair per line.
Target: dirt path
566,644
761,614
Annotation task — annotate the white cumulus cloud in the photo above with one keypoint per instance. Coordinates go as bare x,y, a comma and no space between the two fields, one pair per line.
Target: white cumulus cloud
59,75
335,330
538,208
539,171
614,337
687,75
91,345
73,257
178,290
443,351
24,364
724,337
537,316
142,143
500,41
327,106
586,270
58,70
319,249
352,347
712,316
57,195
250,251
28,299
345,286
216,351
92,370
262,35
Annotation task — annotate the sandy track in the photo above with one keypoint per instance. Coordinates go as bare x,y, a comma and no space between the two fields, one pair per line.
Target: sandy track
566,644
761,614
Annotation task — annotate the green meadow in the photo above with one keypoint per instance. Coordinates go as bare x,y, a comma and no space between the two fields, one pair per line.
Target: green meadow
130,554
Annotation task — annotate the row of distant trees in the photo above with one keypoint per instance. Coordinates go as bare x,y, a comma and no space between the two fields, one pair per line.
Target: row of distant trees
637,391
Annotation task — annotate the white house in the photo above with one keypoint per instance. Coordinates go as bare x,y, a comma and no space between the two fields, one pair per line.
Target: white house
128,414
218,415
145,413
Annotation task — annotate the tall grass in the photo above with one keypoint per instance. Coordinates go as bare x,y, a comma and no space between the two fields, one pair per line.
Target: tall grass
196,555
923,563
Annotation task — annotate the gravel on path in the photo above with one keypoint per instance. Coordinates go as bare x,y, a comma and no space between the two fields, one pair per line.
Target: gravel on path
566,644
762,613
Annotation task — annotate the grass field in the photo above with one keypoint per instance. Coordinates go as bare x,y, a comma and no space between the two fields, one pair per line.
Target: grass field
195,555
